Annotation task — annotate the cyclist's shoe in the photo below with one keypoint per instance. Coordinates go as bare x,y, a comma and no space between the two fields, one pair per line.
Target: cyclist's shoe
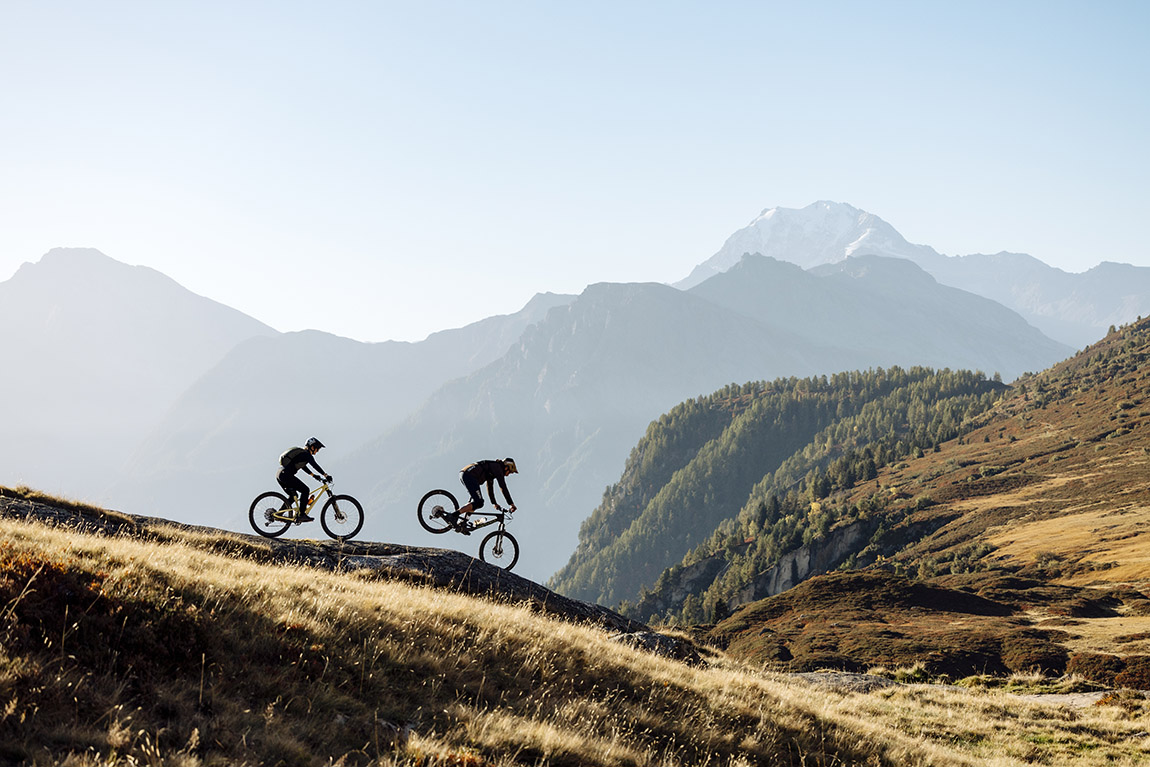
302,517
463,526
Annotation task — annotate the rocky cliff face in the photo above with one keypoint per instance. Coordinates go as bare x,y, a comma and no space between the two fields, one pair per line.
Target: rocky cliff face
815,558
818,557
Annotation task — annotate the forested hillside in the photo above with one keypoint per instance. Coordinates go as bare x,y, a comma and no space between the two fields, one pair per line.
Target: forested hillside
745,460
1035,505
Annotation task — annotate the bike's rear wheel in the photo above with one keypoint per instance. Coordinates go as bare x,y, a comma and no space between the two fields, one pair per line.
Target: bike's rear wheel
342,517
433,510
500,549
262,515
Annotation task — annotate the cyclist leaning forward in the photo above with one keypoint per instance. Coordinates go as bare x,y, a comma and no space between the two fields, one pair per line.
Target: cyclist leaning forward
473,476
292,460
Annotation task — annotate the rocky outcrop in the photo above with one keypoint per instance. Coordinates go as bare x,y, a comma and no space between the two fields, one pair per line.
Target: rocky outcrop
440,568
815,558
673,647
679,583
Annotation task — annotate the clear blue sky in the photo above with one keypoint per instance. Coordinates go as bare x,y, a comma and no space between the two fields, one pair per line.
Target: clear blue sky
387,169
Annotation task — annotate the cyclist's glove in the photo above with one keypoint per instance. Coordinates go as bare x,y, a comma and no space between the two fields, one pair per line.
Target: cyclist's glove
327,478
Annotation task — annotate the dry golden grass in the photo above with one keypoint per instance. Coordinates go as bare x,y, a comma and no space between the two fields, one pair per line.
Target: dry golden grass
1080,496
1116,538
119,651
1109,635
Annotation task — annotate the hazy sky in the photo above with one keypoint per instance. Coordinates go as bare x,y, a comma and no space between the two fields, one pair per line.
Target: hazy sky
387,169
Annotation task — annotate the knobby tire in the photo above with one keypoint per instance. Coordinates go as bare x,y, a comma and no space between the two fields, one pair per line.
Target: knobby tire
261,521
507,546
427,505
353,517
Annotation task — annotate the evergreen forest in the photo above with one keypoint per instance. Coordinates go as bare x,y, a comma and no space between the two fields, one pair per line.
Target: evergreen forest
751,472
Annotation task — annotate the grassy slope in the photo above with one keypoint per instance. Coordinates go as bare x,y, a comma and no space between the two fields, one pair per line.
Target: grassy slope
119,651
1041,509
1060,472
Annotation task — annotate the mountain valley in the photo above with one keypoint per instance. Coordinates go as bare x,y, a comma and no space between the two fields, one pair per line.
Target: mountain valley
1020,543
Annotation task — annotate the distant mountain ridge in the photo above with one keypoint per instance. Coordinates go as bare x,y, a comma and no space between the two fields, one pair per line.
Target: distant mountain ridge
822,233
864,302
580,388
1076,309
95,351
230,425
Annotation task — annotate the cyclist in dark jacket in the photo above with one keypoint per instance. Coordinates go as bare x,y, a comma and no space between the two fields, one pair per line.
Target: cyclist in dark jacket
473,476
291,462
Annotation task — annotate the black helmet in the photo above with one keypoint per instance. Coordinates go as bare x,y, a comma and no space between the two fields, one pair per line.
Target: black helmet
510,464
313,442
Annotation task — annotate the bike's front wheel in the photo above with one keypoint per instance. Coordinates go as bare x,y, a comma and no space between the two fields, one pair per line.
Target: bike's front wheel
342,517
434,509
500,549
264,515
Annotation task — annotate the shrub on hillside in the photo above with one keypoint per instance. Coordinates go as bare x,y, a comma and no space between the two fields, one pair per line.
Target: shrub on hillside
1024,652
1140,607
1136,675
1097,667
824,661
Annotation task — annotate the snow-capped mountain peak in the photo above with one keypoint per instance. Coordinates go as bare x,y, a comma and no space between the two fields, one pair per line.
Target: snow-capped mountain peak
824,232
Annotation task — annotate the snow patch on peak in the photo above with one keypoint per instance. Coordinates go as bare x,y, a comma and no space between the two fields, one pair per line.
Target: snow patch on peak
854,246
824,232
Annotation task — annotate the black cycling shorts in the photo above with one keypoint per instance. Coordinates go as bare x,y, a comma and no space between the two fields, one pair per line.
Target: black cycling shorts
292,484
474,486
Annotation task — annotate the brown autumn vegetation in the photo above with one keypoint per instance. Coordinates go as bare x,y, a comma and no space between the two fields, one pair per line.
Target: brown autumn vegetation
1024,545
183,650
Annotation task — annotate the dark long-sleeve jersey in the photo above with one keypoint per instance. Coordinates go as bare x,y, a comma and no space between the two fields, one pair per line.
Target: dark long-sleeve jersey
489,472
298,458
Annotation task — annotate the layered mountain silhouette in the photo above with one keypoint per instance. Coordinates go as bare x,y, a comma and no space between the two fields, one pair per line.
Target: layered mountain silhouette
129,390
578,391
270,393
887,309
1076,309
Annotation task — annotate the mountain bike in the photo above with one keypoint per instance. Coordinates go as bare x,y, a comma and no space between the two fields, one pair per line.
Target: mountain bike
341,516
438,513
